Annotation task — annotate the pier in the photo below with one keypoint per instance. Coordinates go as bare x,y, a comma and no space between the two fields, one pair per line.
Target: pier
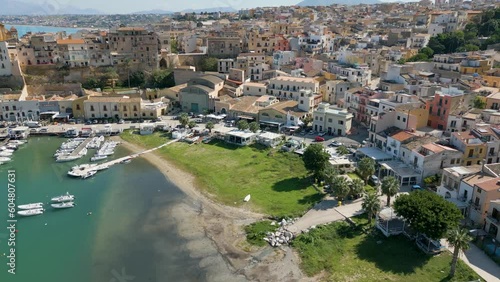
87,169
80,147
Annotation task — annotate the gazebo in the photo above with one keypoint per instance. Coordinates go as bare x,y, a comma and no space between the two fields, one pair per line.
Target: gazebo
389,223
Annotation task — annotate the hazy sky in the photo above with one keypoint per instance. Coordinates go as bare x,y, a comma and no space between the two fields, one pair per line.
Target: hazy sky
128,6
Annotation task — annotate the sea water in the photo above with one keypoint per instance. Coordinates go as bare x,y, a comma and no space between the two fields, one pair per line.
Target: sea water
23,29
119,230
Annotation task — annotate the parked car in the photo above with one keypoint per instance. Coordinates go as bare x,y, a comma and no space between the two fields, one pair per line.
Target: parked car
322,134
374,180
416,188
43,130
121,121
336,143
319,139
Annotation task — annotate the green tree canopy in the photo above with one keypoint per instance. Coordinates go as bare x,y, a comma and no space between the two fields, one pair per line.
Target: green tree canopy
366,168
315,159
340,187
209,64
357,188
242,124
161,79
210,125
191,124
184,119
254,126
479,103
389,187
342,150
428,213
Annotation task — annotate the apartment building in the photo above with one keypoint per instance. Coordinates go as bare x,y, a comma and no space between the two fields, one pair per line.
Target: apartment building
224,65
135,45
483,194
418,41
44,47
5,63
451,179
493,219
332,120
475,64
224,47
288,88
282,58
254,89
360,73
335,90
442,104
260,43
443,21
472,147
72,52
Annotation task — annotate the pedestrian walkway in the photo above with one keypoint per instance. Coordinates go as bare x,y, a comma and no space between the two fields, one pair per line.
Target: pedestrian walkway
480,263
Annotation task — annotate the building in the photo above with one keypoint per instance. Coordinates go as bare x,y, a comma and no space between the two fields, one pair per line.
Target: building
72,52
134,45
442,104
493,220
112,106
492,77
472,147
288,88
282,114
5,63
200,93
332,120
475,64
224,47
484,193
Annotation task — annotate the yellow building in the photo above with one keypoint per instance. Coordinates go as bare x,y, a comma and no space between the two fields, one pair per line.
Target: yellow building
492,78
77,106
474,64
472,147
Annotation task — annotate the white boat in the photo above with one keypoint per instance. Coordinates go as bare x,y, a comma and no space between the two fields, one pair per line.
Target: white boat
63,198
5,159
30,212
8,150
247,198
18,142
90,173
12,146
126,161
97,158
83,166
61,159
64,205
5,154
31,206
74,173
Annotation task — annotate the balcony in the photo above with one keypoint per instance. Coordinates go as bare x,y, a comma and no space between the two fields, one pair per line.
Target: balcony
495,221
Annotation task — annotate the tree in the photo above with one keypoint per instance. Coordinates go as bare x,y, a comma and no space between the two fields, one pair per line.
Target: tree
389,187
161,79
242,124
428,213
307,120
459,239
366,168
328,173
209,64
191,124
479,103
340,187
174,46
210,125
137,79
357,187
371,204
315,159
342,150
184,119
254,126
427,51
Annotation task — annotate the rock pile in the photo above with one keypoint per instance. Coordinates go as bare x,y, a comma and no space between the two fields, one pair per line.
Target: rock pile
282,236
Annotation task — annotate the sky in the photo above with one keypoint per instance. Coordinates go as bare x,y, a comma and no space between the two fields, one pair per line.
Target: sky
130,6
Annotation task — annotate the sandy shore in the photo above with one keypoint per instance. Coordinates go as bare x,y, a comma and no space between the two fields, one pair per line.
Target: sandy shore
215,235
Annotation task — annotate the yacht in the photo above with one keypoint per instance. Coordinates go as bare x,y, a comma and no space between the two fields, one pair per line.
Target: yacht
61,159
5,154
64,205
98,158
63,198
30,212
30,206
90,173
5,159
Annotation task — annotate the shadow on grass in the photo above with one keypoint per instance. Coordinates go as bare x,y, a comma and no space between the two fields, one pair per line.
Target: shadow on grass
394,254
311,199
291,184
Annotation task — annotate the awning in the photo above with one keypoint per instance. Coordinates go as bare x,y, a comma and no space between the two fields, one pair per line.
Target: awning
272,123
246,117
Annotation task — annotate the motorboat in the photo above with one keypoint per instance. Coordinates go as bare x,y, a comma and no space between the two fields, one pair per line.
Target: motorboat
12,146
5,159
31,206
126,161
5,154
18,142
30,212
61,159
90,173
74,173
63,198
8,150
98,158
64,205
83,166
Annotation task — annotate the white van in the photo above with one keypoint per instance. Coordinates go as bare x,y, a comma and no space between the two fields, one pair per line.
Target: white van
32,124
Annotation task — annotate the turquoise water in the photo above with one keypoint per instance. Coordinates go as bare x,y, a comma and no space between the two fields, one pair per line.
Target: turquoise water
129,231
23,29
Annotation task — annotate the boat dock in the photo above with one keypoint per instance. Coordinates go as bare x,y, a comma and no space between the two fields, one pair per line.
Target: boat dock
86,169
80,147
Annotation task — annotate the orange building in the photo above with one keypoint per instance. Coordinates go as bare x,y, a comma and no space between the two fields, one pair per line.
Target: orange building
441,106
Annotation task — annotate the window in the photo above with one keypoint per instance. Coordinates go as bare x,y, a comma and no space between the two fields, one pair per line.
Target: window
124,108
135,108
91,108
93,115
329,120
14,108
452,161
104,108
399,118
78,107
341,122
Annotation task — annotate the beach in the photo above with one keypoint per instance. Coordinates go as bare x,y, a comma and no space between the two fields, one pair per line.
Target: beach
215,233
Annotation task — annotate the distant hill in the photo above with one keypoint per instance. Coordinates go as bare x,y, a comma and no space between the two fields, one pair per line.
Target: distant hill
211,10
154,11
341,2
14,7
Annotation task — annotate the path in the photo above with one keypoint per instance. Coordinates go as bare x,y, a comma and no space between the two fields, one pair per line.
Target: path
80,147
480,263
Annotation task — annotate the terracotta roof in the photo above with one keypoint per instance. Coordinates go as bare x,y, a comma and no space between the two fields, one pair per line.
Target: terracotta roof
490,185
434,147
288,106
70,41
477,178
402,136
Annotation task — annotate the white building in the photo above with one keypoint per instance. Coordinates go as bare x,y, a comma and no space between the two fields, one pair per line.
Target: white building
281,58
73,52
5,63
224,65
360,74
289,87
332,120
418,41
254,89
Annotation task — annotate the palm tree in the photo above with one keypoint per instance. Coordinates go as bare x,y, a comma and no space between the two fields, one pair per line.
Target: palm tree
340,187
459,239
184,119
209,126
390,187
357,187
366,167
371,204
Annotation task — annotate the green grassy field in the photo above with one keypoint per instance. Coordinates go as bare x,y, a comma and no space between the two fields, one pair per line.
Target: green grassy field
278,183
348,254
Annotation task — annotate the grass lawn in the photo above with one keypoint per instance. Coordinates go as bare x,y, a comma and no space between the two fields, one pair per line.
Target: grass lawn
348,254
368,188
278,182
258,230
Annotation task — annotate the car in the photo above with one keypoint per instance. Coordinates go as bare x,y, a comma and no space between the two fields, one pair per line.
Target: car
121,121
44,130
416,188
158,119
374,180
34,130
336,143
322,134
319,139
